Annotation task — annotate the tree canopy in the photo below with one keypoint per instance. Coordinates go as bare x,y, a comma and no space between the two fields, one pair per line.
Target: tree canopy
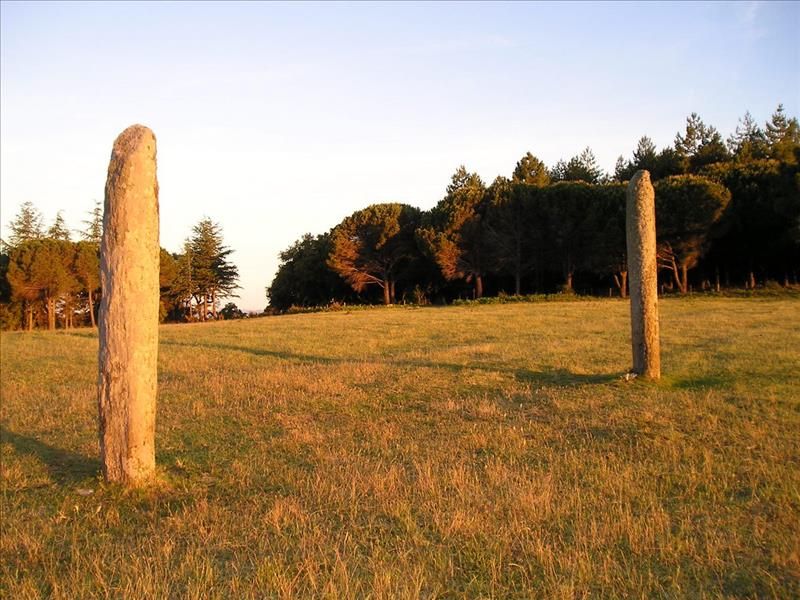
725,211
373,245
455,234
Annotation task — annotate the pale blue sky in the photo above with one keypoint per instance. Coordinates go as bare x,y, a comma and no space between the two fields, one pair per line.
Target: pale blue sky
280,119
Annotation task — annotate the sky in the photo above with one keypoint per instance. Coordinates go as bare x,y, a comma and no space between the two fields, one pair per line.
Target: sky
279,119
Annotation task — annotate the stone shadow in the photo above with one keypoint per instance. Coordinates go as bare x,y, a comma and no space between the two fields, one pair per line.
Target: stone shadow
555,376
65,467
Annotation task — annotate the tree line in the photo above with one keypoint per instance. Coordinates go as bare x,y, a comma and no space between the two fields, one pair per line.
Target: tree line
727,214
47,280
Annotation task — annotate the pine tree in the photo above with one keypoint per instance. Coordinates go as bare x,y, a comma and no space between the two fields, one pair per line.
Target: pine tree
58,230
42,270
511,228
783,136
94,224
26,226
559,171
214,277
645,155
456,236
182,288
748,141
686,145
373,245
700,145
579,168
531,170
621,170
87,273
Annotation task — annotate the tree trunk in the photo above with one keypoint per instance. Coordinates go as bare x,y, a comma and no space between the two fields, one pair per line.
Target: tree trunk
128,319
68,311
518,268
621,281
478,286
751,280
29,315
716,280
393,292
51,313
91,309
683,283
676,277
387,292
568,282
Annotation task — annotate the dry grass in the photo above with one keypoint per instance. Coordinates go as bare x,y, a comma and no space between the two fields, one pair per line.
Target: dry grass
486,451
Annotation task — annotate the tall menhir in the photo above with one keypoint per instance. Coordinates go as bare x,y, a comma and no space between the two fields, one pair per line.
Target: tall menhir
643,275
129,265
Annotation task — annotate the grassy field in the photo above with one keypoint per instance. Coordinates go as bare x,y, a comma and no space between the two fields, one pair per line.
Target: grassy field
474,451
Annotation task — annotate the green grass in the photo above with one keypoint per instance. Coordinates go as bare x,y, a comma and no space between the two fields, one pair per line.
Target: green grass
475,451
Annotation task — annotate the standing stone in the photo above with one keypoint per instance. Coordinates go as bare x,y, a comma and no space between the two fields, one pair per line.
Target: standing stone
128,316
643,275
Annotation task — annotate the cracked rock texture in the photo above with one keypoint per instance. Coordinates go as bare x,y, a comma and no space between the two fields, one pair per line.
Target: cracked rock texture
643,275
128,315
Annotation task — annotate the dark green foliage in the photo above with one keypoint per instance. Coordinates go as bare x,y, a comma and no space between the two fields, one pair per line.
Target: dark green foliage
87,274
48,280
304,278
783,136
687,209
582,167
531,170
26,226
762,223
455,235
214,275
569,227
10,312
659,164
538,235
373,246
668,162
645,156
231,311
5,286
40,272
731,214
171,296
748,142
94,224
58,230
203,274
608,255
511,229
700,145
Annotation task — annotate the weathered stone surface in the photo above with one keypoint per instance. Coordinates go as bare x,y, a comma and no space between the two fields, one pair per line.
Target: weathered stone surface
128,315
643,275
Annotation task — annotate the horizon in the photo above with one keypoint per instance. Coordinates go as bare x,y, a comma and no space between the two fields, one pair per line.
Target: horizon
382,103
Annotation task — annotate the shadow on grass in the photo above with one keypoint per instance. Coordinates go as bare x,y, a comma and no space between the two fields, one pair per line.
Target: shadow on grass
65,467
565,377
702,382
554,376
85,333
